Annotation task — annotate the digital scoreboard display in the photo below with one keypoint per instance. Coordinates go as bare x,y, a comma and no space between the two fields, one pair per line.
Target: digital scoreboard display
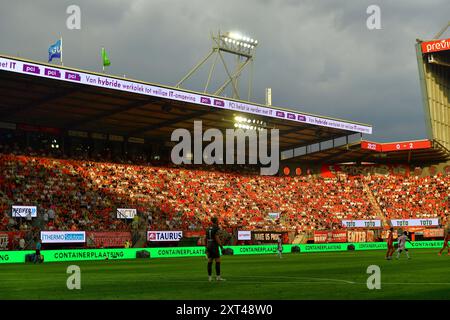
396,146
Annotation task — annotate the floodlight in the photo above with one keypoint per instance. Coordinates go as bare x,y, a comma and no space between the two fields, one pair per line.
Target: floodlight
235,35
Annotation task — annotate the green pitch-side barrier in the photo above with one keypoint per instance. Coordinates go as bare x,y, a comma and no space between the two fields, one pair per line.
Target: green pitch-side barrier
168,252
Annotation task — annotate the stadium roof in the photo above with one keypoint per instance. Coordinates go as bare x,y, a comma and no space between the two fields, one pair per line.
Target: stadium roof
53,96
413,152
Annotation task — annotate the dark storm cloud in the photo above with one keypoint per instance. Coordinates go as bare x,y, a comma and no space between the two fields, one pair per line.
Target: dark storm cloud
317,56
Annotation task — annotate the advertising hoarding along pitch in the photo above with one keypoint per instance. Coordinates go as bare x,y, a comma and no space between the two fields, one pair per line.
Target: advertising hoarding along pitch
61,74
63,236
115,254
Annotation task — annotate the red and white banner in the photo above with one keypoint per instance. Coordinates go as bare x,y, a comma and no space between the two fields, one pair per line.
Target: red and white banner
337,236
193,234
370,236
436,46
357,236
433,233
107,239
330,236
368,145
320,236
396,146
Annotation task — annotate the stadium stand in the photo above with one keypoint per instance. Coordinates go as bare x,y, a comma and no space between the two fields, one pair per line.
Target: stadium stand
407,197
83,195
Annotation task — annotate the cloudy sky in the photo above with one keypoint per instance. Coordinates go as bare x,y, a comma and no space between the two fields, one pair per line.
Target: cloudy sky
318,56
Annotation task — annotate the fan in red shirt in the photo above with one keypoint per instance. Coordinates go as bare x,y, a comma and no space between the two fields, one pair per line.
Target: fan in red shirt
446,244
390,244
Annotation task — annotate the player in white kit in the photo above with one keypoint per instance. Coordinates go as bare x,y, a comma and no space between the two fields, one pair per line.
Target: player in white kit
402,243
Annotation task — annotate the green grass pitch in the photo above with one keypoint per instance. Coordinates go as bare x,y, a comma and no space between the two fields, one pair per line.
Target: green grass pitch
339,275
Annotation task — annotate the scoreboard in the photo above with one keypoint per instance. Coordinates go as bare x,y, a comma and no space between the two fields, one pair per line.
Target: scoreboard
396,146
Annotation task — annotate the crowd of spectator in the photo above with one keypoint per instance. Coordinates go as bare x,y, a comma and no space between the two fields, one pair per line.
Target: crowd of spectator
408,197
84,195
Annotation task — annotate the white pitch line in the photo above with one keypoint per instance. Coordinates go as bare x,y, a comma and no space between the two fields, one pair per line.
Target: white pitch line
418,283
288,277
255,282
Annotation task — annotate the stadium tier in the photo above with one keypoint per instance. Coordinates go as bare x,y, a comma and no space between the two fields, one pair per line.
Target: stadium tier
84,195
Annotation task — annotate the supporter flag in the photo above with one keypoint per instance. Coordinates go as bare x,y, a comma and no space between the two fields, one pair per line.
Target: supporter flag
105,58
55,51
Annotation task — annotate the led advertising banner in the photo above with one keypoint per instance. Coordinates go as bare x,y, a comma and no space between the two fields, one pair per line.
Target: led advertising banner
93,254
75,76
173,252
13,256
24,211
361,223
406,145
396,146
63,236
415,222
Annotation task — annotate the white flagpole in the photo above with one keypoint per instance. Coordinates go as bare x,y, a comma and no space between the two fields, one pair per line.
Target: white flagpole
61,52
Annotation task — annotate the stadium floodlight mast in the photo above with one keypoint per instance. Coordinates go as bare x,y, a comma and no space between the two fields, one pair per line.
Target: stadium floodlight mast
442,31
234,43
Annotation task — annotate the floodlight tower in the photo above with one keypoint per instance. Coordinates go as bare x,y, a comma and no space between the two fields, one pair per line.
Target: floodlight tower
442,31
234,43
